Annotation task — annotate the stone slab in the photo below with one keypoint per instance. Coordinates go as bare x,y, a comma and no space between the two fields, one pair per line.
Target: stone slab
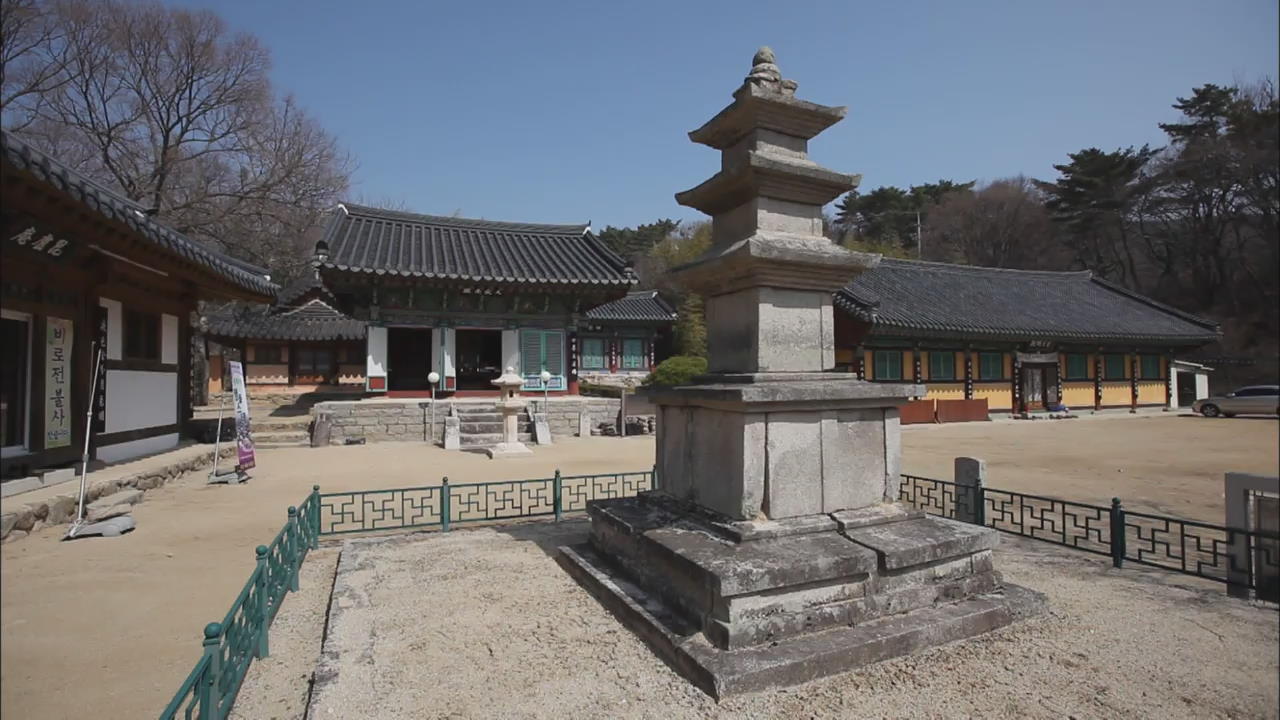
922,540
749,530
59,476
875,515
503,451
820,394
19,486
723,673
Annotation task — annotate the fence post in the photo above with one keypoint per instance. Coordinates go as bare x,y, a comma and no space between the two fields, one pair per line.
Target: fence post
293,553
264,608
653,478
315,516
970,477
209,699
444,504
1117,533
555,494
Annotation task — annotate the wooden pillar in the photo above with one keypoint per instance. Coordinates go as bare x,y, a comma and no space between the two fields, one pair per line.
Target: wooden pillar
915,364
968,373
1168,380
1097,380
653,356
1133,382
860,362
575,355
613,353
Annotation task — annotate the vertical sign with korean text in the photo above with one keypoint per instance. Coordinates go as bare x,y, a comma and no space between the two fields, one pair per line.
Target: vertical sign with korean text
240,395
57,383
100,385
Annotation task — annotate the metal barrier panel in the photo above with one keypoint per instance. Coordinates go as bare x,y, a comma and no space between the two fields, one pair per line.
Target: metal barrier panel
1075,525
369,510
506,500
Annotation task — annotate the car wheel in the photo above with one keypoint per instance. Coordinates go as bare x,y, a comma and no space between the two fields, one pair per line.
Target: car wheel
1209,410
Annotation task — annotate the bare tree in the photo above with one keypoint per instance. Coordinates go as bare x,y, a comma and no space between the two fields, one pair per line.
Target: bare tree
177,112
1003,224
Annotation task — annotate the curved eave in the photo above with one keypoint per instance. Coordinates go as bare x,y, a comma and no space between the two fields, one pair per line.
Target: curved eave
910,330
456,277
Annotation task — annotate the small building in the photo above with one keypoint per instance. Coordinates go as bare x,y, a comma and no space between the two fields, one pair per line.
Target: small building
1020,340
467,298
84,268
300,344
622,341
1190,383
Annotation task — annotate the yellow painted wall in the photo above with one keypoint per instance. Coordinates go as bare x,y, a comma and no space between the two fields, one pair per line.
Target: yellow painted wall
945,391
924,364
1150,392
844,356
1115,392
1077,394
869,367
908,368
998,394
1008,365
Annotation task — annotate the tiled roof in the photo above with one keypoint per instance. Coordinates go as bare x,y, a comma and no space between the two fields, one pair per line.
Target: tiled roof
913,298
368,240
313,320
114,207
642,305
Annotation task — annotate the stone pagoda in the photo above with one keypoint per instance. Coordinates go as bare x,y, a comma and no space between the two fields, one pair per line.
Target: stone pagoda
775,551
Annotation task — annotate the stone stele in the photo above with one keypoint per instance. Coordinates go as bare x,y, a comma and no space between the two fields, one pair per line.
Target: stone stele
774,551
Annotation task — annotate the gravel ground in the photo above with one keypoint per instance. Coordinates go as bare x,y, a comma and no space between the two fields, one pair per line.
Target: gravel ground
484,623
276,686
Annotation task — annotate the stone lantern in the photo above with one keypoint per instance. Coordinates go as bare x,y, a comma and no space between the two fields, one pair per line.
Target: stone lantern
775,551
509,404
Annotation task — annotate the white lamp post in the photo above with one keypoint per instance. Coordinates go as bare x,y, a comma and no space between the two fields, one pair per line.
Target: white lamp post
432,378
546,380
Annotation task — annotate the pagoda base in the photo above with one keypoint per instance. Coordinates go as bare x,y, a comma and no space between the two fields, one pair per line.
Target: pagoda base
741,606
508,450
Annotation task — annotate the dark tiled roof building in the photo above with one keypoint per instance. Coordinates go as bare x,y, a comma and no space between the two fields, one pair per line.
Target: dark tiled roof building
1018,340
463,299
85,273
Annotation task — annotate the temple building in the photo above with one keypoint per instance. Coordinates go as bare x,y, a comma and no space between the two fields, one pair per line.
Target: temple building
397,296
84,268
1012,340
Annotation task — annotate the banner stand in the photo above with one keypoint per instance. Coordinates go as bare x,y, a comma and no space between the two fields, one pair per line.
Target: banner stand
244,440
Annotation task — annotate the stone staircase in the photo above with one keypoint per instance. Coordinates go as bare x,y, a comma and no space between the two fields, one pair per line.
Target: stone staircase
274,426
277,432
480,426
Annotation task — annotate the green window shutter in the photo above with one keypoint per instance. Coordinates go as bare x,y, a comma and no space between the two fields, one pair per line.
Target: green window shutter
1150,367
1113,367
1077,367
633,354
553,352
593,353
530,352
990,366
942,365
887,365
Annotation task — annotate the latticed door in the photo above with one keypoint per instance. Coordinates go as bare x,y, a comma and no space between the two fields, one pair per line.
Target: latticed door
542,350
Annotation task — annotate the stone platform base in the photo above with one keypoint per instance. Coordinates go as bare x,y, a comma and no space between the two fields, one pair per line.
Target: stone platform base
790,661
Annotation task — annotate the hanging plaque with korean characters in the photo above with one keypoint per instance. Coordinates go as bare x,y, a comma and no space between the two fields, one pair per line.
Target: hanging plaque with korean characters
57,383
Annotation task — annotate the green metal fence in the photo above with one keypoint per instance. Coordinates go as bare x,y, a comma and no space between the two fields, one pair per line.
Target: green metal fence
447,504
231,645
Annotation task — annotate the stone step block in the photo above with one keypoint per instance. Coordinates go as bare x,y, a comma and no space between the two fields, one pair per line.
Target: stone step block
113,505
922,540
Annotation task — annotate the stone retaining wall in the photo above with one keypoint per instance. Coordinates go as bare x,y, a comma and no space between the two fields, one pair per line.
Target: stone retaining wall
61,508
407,420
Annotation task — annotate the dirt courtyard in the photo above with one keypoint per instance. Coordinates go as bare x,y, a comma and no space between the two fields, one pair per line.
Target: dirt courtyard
113,626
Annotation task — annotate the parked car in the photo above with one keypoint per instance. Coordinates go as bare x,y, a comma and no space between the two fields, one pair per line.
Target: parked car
1251,400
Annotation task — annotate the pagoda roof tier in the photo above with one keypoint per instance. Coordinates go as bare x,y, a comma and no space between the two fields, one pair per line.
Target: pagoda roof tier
755,107
761,175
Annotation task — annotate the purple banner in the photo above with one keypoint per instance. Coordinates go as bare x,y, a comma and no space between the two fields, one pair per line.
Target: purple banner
244,440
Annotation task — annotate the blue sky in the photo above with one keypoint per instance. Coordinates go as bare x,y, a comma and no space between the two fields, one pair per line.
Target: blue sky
568,112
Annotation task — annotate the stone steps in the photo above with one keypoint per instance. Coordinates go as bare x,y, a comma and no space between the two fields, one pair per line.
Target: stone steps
279,439
489,427
489,439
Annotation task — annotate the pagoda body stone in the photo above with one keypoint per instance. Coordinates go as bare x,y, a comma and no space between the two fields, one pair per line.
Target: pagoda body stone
775,551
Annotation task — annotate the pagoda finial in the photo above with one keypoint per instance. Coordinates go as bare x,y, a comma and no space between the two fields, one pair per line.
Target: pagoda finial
766,75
